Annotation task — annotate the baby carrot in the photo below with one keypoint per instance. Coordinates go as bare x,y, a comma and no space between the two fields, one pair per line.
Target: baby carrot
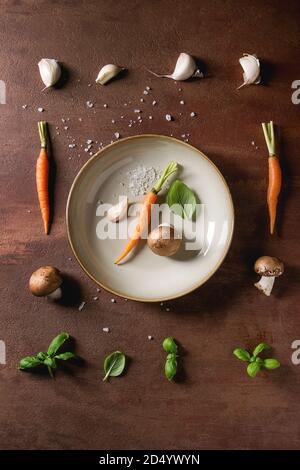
42,177
145,214
275,177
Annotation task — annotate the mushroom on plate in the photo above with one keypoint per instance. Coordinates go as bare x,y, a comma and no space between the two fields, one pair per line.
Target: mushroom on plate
46,282
163,242
268,267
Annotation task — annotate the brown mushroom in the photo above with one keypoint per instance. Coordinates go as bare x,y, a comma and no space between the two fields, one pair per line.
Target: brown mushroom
46,282
162,241
268,267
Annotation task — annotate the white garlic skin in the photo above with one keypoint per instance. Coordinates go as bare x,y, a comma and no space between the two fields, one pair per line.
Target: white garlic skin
251,70
50,72
118,211
108,72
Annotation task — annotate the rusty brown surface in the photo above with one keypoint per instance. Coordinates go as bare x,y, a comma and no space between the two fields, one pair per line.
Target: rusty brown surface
214,404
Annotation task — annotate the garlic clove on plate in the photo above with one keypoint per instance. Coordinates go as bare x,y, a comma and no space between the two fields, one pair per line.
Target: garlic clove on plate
119,210
50,72
108,72
251,67
185,68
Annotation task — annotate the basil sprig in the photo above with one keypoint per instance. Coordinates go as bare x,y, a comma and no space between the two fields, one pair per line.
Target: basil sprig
50,357
171,348
255,363
181,200
114,365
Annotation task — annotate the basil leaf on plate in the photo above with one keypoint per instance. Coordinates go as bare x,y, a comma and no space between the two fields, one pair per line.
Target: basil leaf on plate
114,365
169,345
170,366
181,200
65,356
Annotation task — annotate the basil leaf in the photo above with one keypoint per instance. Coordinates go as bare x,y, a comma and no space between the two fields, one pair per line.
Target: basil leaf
271,363
56,343
29,362
114,364
259,348
169,345
42,356
181,200
49,361
65,356
171,367
242,354
253,369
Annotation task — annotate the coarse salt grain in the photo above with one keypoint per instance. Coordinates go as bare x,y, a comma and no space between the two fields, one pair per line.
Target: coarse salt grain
89,104
113,301
106,329
193,114
81,306
150,337
168,117
117,135
24,106
182,102
40,110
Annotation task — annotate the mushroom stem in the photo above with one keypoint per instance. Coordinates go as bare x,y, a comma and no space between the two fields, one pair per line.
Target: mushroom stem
265,284
55,295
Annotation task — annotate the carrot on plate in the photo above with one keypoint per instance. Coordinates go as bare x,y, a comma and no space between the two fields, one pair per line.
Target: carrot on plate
275,177
145,214
42,177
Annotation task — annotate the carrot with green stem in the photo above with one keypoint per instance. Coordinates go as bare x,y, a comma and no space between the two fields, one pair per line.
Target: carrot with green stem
275,176
42,177
145,214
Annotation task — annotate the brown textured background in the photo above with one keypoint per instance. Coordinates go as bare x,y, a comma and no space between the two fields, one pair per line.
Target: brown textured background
214,404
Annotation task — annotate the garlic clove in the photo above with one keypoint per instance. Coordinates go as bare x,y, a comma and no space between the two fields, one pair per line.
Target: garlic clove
185,68
251,67
108,72
50,72
118,211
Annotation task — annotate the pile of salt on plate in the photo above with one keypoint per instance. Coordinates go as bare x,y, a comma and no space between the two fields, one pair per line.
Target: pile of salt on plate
141,179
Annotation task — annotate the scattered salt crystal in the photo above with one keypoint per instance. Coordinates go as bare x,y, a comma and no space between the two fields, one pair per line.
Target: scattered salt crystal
161,304
117,135
57,133
71,146
66,128
95,298
105,105
150,337
113,121
252,143
145,92
150,117
154,103
81,306
142,100
106,329
125,104
98,290
29,211
91,153
89,142
182,102
179,89
193,114
63,120
89,104
168,117
122,117
137,111
69,259
89,84
113,301
167,309
80,119
40,110
148,88
24,106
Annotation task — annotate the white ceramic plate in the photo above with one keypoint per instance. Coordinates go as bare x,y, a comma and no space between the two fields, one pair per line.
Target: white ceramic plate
145,276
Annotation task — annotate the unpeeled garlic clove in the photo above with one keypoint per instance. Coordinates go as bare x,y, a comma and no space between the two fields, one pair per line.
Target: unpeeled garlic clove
50,72
185,68
251,67
108,72
118,211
